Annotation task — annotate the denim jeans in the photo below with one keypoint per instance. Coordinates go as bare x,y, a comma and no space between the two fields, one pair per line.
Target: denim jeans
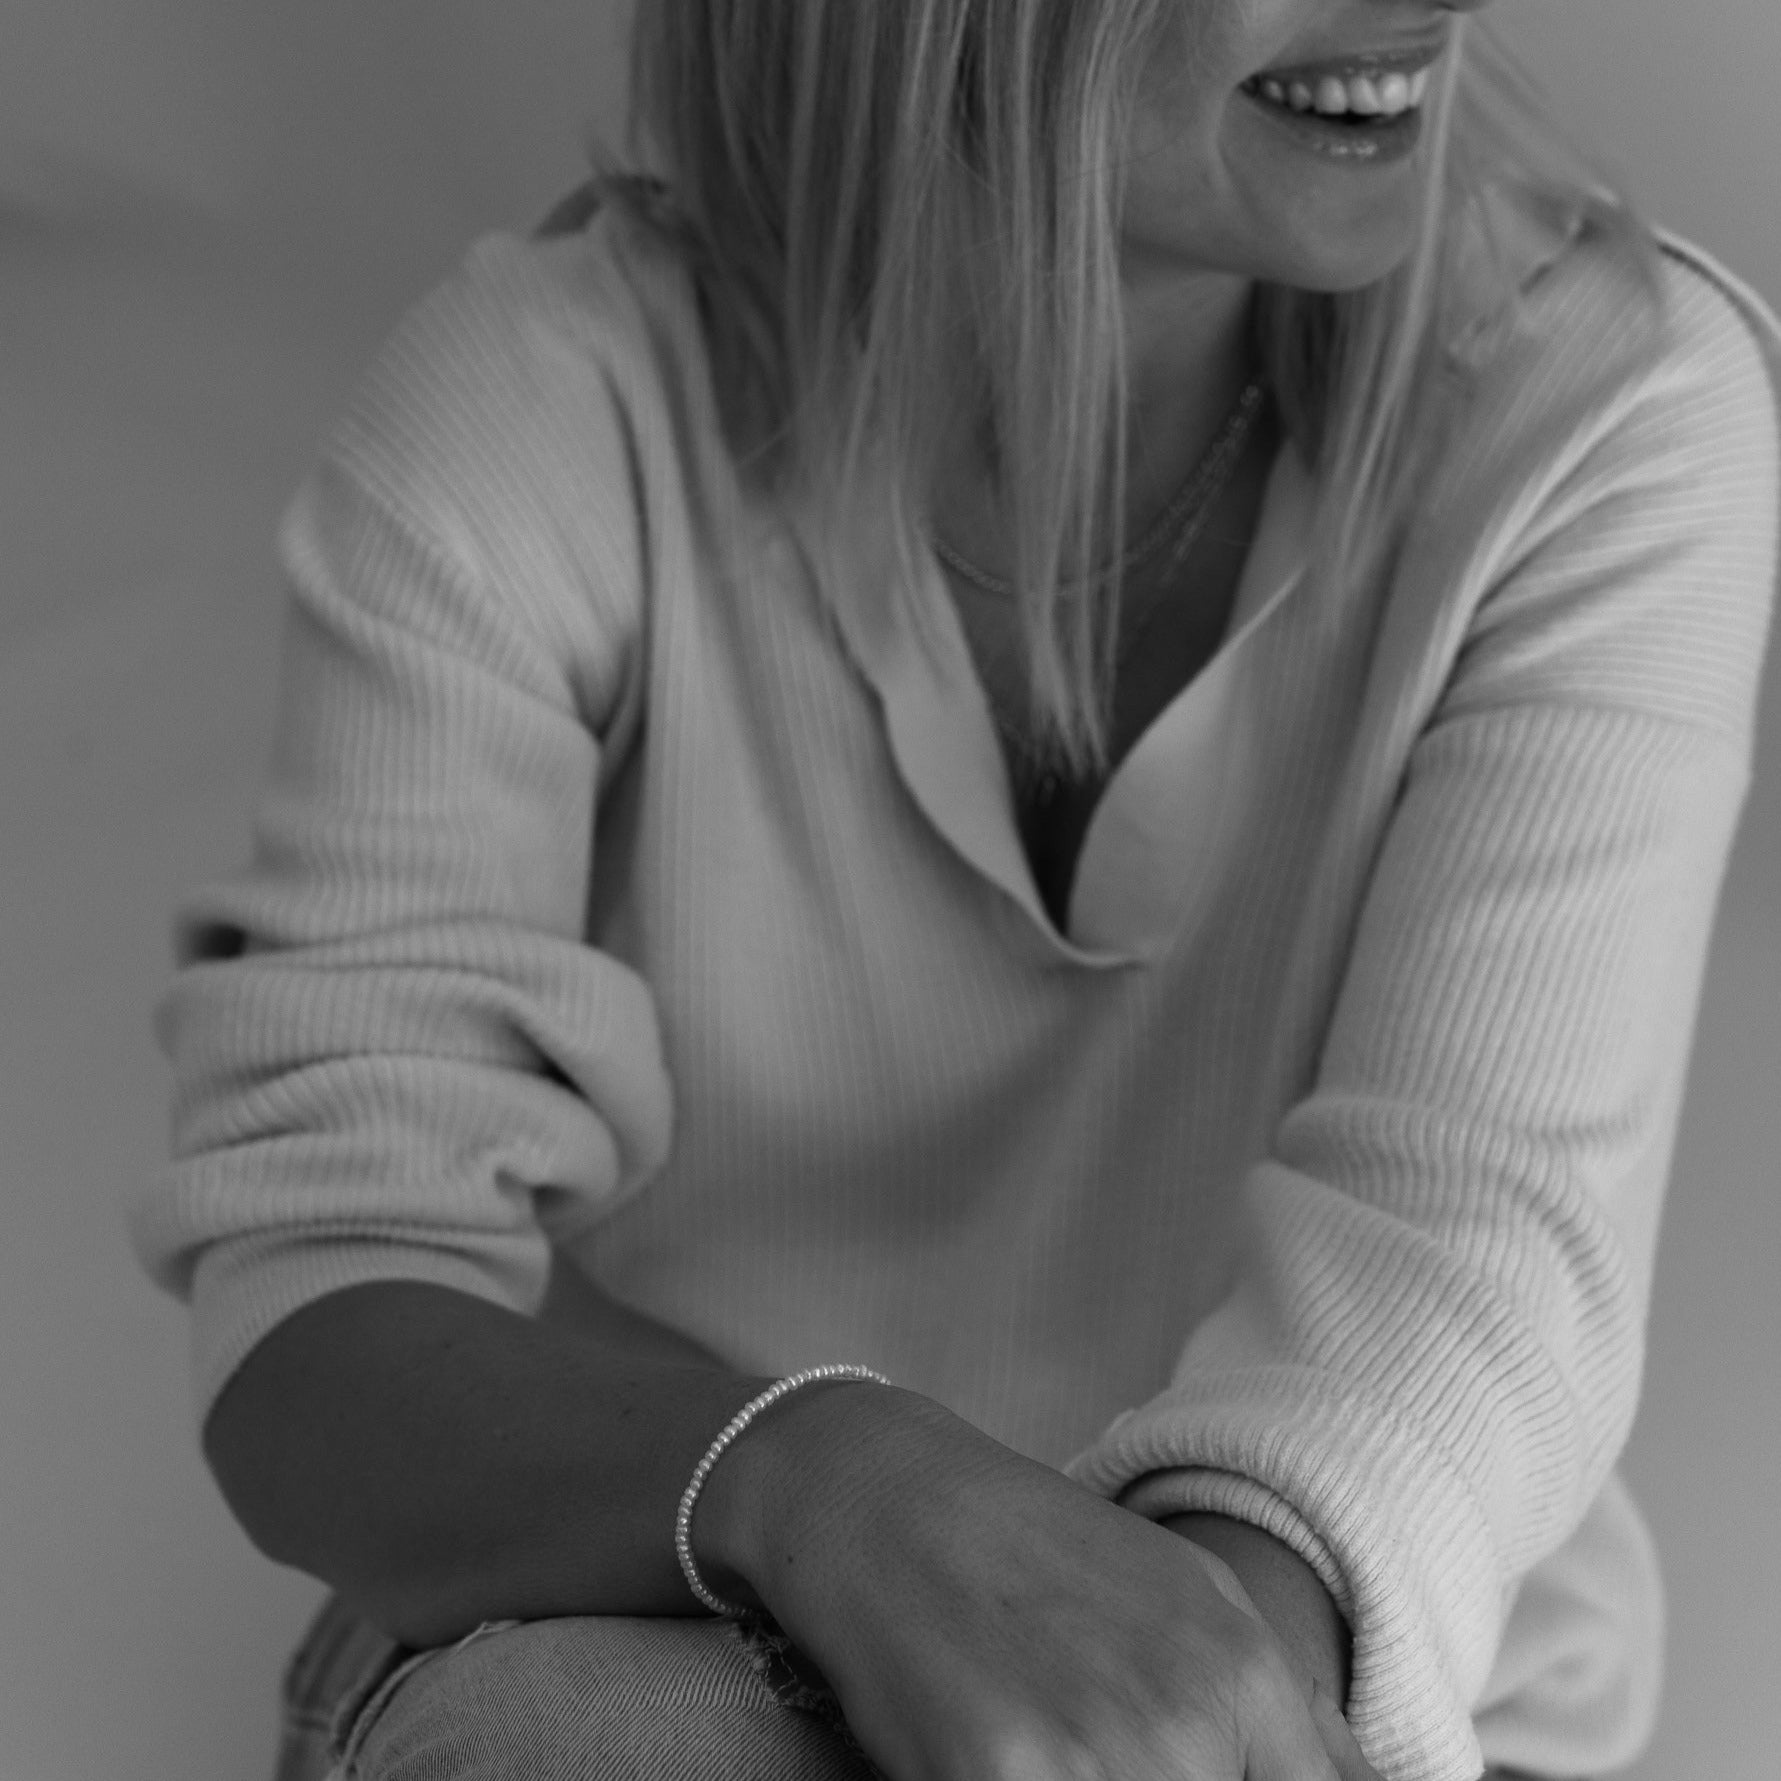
595,1699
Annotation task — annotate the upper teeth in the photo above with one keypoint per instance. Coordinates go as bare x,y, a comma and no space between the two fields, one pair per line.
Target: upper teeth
1387,96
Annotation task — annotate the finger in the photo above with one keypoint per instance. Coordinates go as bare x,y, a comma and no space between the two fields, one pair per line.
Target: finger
1283,1740
1339,1740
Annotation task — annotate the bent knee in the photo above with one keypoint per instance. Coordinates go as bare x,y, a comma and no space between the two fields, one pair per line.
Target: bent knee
594,1699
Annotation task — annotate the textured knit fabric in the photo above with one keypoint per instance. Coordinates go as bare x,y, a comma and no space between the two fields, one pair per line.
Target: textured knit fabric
636,879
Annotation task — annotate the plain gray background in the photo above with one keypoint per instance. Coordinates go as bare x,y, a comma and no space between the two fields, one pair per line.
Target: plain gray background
210,211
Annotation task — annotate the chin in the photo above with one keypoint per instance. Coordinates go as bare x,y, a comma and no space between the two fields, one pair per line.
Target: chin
1346,263
1354,273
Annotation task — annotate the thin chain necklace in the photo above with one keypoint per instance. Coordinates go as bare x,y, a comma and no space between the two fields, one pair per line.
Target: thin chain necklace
1181,521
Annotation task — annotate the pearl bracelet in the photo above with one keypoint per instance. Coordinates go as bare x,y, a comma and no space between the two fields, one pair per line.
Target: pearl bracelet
683,1522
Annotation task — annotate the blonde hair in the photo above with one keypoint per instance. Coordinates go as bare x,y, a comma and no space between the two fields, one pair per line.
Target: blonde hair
871,195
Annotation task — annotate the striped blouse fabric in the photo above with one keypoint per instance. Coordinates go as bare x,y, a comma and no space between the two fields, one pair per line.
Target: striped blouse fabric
636,882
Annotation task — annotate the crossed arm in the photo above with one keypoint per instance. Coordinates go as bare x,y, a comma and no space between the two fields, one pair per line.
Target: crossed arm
443,1461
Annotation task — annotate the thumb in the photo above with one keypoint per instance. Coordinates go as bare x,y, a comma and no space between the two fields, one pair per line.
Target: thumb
1338,1739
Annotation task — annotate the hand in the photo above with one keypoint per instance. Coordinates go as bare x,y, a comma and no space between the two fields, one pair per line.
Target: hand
982,1618
1296,1609
1285,1592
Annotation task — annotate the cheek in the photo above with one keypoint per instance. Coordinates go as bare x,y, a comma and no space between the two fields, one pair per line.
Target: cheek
1195,60
1176,193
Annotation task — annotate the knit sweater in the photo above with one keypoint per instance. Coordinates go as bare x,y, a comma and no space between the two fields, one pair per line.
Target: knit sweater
636,883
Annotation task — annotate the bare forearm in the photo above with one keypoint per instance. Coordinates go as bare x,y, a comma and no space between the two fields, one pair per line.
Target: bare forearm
443,1461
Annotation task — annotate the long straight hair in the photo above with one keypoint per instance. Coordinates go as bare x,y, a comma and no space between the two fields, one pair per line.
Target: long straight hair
877,200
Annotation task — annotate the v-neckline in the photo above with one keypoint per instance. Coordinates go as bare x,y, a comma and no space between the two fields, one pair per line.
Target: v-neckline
1154,827
1180,638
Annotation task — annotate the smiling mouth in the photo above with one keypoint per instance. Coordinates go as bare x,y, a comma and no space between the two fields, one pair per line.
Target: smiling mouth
1370,101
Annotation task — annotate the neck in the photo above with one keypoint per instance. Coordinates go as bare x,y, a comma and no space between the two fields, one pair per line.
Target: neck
1187,362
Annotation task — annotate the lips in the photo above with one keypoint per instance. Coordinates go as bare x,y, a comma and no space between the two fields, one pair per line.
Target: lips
1354,140
1411,59
1367,92
1360,96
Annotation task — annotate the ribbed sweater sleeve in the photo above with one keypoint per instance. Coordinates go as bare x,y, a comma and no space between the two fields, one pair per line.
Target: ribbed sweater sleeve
394,1054
1431,1355
1371,1143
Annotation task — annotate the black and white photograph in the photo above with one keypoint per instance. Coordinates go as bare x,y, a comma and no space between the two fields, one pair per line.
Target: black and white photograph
890,890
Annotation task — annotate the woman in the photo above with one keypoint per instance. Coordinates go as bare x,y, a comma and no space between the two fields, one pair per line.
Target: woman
1062,721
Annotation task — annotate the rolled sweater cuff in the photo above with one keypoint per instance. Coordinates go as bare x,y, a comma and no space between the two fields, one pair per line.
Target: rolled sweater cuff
1198,1490
1393,1532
